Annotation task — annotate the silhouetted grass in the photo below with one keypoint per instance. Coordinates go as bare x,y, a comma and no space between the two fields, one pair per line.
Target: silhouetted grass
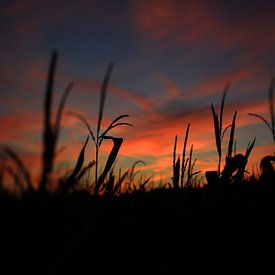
221,229
99,137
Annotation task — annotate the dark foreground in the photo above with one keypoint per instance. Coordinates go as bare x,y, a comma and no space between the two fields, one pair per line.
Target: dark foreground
228,230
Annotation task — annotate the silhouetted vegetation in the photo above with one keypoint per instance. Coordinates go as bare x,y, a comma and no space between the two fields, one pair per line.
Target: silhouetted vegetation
117,225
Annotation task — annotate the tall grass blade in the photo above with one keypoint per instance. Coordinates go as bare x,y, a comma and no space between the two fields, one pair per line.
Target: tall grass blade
271,106
176,175
60,110
103,95
183,155
231,139
72,178
48,146
189,167
217,130
175,151
225,91
250,147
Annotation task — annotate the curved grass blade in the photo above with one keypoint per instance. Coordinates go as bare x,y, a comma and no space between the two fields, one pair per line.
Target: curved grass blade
132,174
20,164
225,130
85,170
84,121
263,119
217,130
60,110
250,147
72,178
231,139
110,161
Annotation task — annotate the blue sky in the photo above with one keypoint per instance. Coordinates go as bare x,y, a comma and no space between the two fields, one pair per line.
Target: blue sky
172,59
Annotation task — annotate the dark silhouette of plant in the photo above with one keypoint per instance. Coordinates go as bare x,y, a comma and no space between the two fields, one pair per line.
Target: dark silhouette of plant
51,129
267,170
218,127
270,125
179,170
236,164
99,137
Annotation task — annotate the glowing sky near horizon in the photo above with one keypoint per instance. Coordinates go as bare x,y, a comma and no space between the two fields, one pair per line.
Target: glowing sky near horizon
172,59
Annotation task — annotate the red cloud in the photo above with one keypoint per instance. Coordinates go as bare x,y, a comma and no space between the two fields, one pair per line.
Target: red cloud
190,22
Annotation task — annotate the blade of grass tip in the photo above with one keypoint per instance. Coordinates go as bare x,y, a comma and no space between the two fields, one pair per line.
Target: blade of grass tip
60,110
271,106
231,139
225,91
249,148
20,164
84,121
47,157
111,159
103,96
183,154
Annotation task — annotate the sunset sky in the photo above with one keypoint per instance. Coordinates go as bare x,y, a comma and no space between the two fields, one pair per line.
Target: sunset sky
172,59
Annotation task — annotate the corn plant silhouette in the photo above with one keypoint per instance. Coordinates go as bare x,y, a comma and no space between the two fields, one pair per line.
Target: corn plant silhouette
99,137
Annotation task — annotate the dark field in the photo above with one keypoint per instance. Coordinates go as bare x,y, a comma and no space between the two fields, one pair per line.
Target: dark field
221,230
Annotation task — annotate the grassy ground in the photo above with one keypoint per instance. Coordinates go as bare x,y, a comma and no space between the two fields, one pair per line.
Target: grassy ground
221,230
